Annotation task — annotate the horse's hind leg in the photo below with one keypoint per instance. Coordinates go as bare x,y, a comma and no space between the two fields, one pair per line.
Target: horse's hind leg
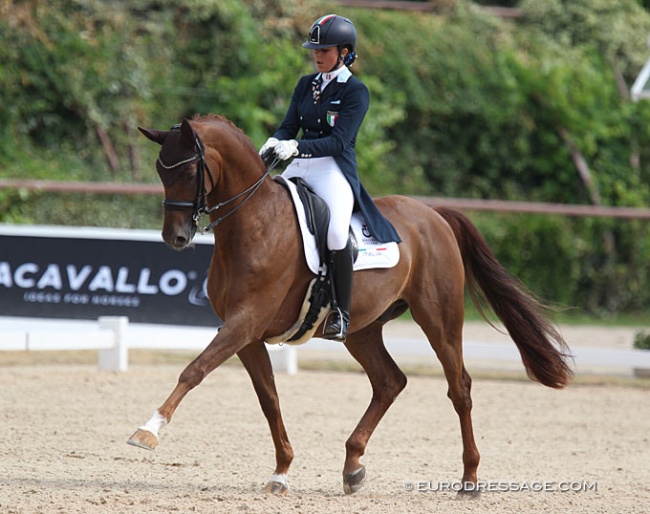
387,380
445,336
255,358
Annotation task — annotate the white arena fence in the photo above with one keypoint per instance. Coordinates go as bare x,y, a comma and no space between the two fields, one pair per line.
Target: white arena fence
113,337
112,290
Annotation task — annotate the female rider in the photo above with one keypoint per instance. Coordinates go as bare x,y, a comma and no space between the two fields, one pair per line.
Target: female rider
329,107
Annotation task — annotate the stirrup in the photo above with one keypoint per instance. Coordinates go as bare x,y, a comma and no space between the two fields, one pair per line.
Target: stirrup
336,329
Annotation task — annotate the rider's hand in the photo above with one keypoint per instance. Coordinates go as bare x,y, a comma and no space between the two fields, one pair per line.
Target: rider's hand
286,149
270,144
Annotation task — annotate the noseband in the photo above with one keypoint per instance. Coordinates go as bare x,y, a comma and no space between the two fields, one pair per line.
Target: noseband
199,206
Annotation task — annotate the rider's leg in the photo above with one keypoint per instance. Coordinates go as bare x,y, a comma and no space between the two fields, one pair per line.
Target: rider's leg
327,180
341,262
329,183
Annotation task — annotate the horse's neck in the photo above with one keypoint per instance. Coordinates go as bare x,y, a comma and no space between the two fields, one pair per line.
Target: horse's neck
258,210
252,213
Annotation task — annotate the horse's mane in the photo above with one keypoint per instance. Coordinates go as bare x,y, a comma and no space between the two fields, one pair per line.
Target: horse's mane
222,120
208,118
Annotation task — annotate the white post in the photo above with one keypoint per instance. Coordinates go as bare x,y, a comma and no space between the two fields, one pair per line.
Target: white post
116,358
284,359
292,360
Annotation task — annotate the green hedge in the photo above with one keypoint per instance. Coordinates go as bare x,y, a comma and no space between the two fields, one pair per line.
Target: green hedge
464,104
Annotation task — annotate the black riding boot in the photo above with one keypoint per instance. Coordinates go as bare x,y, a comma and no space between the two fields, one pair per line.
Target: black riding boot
341,278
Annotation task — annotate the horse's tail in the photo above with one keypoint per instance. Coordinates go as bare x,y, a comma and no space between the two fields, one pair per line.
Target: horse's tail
543,350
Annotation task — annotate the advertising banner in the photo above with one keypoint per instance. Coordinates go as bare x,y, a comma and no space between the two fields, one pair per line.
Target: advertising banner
84,273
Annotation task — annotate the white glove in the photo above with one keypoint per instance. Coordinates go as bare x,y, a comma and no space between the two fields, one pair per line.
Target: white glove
286,149
270,143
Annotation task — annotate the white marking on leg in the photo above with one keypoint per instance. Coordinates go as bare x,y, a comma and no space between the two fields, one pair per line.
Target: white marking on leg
281,479
156,422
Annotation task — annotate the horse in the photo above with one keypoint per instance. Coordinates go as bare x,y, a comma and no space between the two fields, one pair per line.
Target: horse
258,279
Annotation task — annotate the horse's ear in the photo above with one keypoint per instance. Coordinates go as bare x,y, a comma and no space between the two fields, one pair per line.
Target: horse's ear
188,136
157,136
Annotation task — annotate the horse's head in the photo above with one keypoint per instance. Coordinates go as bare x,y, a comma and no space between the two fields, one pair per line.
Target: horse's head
182,169
185,173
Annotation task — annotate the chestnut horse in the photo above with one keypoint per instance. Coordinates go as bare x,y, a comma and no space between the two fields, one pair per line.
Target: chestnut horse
258,280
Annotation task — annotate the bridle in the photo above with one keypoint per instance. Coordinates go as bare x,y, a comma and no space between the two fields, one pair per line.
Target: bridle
199,205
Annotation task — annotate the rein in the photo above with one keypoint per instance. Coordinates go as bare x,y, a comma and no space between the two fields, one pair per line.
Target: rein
199,205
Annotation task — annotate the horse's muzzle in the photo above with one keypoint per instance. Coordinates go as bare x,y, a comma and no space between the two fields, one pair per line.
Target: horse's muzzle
179,237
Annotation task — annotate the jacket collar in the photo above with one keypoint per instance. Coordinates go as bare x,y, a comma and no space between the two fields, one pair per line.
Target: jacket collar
340,75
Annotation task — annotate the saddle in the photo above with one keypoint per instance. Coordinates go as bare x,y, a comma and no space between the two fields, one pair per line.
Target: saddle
317,215
313,218
319,294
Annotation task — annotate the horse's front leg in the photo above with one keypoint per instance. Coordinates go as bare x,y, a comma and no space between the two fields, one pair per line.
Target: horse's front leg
224,345
255,358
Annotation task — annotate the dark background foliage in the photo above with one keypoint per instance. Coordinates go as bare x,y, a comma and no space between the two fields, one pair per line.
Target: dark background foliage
464,104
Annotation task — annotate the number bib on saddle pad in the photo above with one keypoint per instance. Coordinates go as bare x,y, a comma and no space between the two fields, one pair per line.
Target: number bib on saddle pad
372,253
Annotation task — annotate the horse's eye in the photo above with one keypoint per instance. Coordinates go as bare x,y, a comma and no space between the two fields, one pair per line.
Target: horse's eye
187,172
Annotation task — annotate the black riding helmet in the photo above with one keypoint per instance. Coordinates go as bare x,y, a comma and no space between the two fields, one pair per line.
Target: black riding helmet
333,30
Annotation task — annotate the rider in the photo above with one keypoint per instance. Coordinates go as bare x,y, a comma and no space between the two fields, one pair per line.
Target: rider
329,107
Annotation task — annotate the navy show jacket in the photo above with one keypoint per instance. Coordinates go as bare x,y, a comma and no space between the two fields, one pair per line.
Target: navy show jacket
329,128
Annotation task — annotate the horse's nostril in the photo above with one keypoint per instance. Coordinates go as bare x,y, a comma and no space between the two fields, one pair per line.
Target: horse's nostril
180,241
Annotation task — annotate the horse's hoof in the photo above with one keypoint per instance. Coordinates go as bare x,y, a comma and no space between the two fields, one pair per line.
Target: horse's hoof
471,493
354,481
143,439
276,488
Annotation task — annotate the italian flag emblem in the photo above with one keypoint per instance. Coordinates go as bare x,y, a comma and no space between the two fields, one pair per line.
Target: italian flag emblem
331,118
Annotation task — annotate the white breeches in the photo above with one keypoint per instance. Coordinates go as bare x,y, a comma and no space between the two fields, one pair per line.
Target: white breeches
327,180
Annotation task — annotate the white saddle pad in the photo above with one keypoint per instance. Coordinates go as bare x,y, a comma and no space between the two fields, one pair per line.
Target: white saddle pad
372,253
